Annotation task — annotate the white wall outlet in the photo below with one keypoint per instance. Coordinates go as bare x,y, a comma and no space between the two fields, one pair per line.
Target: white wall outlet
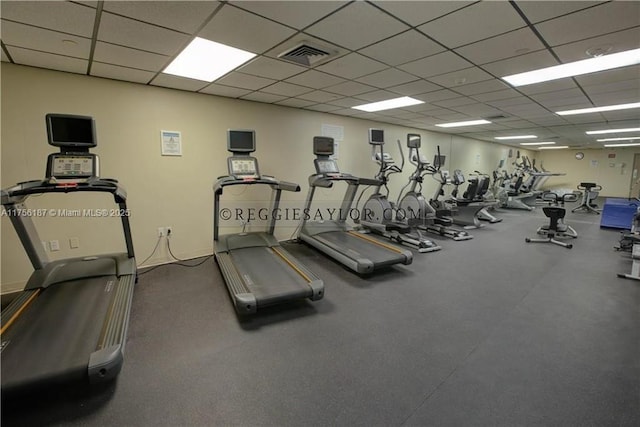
169,231
74,242
161,232
54,245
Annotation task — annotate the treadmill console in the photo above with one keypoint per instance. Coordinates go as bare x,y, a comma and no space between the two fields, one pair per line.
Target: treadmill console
326,166
72,167
243,167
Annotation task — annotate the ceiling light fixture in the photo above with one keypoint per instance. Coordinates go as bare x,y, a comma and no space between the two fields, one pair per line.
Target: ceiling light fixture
389,104
629,138
206,60
460,124
633,144
599,109
555,147
577,68
604,131
538,143
516,137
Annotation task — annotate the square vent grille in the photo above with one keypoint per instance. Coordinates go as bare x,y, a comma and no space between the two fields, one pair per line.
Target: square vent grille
306,54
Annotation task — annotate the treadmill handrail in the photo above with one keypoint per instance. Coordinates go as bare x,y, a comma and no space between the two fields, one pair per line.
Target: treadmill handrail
19,192
326,180
228,180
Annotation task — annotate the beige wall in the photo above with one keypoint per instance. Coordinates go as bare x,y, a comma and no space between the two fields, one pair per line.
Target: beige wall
177,191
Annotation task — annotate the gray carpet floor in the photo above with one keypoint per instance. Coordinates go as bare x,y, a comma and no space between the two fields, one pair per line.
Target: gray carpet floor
491,331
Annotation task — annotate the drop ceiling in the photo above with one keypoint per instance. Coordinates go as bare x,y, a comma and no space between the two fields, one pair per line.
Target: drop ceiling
449,54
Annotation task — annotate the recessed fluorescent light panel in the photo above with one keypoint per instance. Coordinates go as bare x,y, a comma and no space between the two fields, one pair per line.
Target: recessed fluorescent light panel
206,60
599,109
538,143
605,131
634,144
578,68
515,137
630,138
389,104
467,123
555,147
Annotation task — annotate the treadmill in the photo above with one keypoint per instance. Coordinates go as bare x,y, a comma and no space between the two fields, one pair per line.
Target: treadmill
258,271
334,237
69,324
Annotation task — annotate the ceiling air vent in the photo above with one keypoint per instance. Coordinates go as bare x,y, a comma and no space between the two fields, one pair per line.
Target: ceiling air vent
306,54
496,117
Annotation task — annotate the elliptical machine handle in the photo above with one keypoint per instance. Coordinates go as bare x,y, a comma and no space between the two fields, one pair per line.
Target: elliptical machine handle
401,155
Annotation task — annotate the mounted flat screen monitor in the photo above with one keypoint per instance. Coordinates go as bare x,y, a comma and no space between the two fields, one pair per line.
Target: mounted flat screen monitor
66,130
241,141
438,161
376,136
413,140
322,146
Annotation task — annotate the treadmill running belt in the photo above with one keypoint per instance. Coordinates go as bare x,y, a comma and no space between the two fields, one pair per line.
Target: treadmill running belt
52,340
356,247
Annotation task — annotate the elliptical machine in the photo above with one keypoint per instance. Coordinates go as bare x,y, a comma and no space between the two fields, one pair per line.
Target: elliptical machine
378,214
413,208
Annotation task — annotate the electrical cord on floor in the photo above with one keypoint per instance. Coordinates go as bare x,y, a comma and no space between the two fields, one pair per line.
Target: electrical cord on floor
172,255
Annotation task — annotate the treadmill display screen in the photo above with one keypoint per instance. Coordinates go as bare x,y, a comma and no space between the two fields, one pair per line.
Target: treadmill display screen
327,166
241,141
65,130
322,146
413,140
69,167
244,167
376,136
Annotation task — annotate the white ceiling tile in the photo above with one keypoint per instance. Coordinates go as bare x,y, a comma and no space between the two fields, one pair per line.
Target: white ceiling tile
568,103
418,12
613,98
451,117
610,76
244,30
595,21
493,85
453,102
220,90
387,78
405,47
414,88
271,68
244,81
54,15
440,63
514,43
552,86
461,77
477,110
185,16
115,72
557,94
520,64
325,108
48,60
357,25
352,66
175,82
26,36
135,34
377,95
510,102
617,42
350,88
315,79
133,58
346,102
461,27
264,97
491,96
286,89
537,11
298,14
295,102
320,96
631,87
437,95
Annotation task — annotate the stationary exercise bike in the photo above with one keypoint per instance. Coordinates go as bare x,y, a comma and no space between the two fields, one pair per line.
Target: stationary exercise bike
556,213
378,214
413,208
